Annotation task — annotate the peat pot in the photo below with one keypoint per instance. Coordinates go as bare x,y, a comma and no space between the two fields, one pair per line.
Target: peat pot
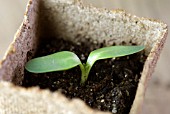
71,21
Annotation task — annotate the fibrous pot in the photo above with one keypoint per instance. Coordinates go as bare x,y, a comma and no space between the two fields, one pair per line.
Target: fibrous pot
70,20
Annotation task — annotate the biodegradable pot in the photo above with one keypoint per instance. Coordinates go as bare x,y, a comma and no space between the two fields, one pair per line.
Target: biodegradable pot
70,20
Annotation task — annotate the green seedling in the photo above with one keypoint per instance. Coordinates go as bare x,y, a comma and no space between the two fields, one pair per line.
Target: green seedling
65,60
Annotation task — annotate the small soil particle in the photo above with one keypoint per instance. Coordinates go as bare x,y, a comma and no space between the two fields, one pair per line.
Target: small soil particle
111,85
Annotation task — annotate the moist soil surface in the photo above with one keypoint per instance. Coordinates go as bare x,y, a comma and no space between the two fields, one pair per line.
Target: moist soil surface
111,85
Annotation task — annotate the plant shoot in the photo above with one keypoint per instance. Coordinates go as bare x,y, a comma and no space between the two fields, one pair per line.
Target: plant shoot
65,60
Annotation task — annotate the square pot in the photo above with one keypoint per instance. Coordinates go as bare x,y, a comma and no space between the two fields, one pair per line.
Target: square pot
70,20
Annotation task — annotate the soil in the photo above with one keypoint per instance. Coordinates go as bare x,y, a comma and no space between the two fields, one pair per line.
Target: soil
111,85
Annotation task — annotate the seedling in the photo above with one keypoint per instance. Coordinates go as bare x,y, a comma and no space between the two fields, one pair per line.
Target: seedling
65,60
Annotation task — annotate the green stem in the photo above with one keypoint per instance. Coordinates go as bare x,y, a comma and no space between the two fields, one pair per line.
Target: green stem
83,74
85,69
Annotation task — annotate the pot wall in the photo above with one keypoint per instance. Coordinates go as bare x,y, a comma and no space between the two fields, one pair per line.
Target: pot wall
24,43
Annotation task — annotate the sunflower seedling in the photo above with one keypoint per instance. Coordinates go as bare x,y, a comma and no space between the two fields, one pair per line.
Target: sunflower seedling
65,60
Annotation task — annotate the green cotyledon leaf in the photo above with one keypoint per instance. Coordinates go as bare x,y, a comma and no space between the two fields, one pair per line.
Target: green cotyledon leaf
110,52
55,62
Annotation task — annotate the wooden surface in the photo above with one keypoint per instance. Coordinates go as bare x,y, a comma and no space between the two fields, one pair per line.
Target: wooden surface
157,99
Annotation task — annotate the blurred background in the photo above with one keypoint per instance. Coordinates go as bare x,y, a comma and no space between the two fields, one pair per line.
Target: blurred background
157,98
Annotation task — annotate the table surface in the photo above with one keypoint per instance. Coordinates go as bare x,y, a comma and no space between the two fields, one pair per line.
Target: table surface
157,98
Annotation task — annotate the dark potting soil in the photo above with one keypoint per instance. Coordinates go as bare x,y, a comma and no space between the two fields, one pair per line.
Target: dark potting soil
111,85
